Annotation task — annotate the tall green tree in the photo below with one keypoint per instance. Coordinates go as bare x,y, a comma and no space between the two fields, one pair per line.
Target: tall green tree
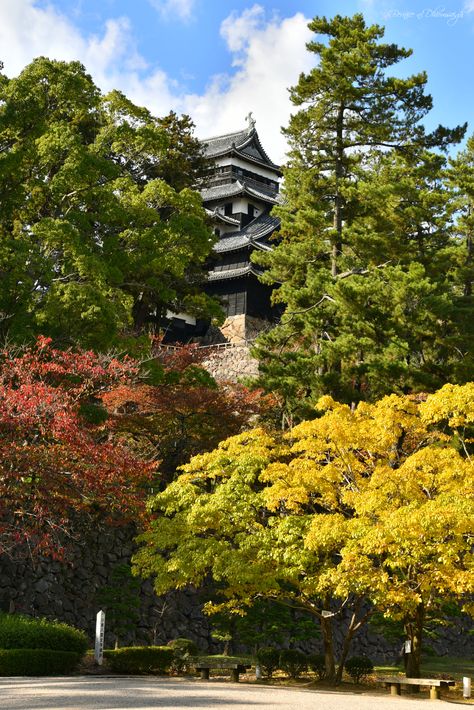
100,230
460,177
364,217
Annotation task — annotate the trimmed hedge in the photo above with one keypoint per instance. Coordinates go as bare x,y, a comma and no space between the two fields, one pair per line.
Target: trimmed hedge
37,661
317,663
183,652
140,660
293,662
18,631
269,660
358,667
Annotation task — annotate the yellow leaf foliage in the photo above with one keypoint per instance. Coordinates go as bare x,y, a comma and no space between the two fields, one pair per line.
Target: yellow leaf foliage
377,502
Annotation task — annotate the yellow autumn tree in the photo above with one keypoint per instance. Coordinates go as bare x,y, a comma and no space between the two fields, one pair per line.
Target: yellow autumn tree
361,510
407,501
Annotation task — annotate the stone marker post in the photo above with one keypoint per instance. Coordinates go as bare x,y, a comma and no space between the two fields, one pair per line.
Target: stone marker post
99,637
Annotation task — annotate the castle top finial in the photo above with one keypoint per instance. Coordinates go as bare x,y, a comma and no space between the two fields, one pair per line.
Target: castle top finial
251,121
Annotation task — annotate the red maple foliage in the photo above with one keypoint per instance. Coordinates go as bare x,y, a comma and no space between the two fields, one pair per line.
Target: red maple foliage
55,462
83,435
184,414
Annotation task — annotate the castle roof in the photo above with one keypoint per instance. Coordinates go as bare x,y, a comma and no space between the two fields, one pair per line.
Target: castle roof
245,144
259,228
214,214
233,273
220,192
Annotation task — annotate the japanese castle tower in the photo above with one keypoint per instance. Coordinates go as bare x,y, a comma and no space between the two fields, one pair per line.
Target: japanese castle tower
242,188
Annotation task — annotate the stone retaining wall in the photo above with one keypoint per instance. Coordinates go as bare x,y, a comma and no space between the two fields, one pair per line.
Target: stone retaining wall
231,364
68,592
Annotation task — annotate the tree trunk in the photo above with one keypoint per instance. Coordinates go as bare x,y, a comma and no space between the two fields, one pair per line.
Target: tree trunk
414,629
353,626
330,665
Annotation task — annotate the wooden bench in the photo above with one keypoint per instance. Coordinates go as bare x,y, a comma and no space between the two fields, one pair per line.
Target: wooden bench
435,684
235,667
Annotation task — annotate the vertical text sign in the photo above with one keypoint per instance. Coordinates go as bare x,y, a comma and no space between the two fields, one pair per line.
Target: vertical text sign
99,637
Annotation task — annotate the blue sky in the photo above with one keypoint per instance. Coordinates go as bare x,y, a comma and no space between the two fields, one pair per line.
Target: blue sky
218,59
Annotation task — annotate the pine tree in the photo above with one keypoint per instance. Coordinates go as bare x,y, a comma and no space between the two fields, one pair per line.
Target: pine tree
365,221
460,176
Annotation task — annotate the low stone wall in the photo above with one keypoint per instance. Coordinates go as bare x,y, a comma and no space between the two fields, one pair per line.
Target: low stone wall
68,592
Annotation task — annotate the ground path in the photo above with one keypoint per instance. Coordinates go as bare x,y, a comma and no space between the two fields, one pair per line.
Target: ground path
106,693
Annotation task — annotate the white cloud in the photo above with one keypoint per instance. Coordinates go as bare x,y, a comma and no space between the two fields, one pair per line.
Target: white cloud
267,56
469,6
27,31
171,8
237,30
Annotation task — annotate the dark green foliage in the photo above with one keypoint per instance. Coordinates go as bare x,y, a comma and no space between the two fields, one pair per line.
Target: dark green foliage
264,623
268,659
183,652
17,631
100,229
93,413
218,660
37,661
140,660
293,662
358,667
317,663
121,601
390,629
366,263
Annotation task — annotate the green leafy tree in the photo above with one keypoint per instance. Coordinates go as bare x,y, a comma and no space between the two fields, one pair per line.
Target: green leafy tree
357,269
460,177
100,230
223,518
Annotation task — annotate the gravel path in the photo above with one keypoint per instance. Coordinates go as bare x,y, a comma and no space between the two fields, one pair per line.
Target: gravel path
149,693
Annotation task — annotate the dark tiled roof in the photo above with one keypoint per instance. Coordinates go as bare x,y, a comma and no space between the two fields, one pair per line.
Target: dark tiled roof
221,144
241,142
214,214
233,273
259,228
276,199
235,240
220,192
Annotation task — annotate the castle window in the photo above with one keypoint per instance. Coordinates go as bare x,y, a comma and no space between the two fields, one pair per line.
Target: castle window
228,209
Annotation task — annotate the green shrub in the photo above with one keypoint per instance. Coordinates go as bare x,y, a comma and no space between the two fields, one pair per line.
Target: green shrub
140,659
293,662
37,661
17,631
268,659
317,663
358,667
183,652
